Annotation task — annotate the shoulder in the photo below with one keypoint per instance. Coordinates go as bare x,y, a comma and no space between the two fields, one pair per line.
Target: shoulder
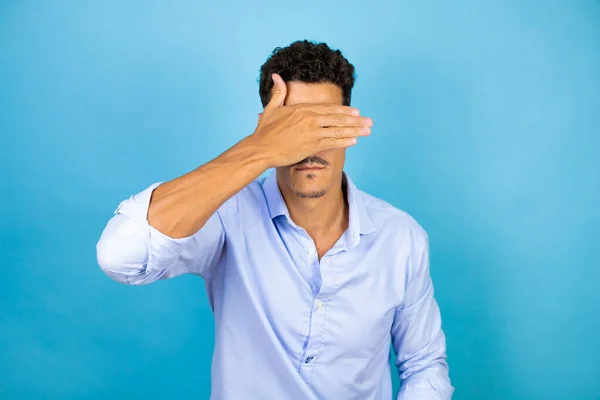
392,222
251,197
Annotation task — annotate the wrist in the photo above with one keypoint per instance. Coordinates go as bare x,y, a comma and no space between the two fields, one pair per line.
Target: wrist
257,153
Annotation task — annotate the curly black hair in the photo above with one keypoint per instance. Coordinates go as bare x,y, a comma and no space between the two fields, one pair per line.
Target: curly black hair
308,62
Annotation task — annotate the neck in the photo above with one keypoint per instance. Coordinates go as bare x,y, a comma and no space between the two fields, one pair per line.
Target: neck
324,216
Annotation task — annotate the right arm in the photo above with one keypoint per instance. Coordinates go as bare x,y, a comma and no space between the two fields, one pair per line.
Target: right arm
177,227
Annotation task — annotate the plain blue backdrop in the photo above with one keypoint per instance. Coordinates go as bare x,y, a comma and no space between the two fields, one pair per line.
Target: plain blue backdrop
487,119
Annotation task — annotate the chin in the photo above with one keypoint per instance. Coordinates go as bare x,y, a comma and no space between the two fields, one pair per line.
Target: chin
308,184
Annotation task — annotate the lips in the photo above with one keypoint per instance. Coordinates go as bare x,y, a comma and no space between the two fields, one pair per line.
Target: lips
310,168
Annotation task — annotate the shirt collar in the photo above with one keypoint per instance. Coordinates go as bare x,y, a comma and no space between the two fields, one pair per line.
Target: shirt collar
275,200
359,224
359,217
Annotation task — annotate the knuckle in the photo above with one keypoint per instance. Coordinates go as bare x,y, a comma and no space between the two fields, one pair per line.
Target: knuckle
339,131
339,120
329,142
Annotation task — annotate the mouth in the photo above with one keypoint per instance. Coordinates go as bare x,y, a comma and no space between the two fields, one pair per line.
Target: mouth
309,168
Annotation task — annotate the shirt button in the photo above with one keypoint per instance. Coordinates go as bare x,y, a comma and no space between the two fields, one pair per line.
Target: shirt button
311,251
319,304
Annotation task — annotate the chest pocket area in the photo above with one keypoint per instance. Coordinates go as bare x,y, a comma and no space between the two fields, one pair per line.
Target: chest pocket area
360,316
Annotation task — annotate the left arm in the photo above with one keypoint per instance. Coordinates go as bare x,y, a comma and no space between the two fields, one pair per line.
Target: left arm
417,335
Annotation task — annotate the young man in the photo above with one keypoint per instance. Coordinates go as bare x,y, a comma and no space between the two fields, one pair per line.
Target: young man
309,278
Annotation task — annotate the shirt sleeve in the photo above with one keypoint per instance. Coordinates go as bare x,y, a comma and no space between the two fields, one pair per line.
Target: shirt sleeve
132,252
417,336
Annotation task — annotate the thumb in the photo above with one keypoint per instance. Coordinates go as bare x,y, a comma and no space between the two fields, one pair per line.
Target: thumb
279,92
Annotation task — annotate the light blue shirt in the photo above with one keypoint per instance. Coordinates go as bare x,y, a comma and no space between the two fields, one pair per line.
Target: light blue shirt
288,325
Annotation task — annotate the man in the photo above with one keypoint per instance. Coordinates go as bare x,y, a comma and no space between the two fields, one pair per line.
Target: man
309,278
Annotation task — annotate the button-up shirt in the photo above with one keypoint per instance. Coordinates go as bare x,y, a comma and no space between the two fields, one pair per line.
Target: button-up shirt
288,324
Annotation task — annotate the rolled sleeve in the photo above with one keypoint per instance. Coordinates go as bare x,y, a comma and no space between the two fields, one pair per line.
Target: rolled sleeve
418,339
130,251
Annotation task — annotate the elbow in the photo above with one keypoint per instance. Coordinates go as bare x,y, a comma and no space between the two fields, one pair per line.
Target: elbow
431,381
123,259
428,378
111,263
122,252
431,359
126,264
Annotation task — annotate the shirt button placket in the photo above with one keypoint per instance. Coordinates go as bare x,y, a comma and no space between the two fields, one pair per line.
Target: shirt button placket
318,304
316,320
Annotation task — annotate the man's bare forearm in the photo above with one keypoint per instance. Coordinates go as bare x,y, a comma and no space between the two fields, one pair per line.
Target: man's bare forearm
180,207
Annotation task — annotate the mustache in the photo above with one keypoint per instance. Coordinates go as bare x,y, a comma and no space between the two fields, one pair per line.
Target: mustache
313,160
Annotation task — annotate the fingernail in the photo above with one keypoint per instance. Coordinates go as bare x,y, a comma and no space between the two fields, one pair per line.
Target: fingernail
355,112
366,130
368,122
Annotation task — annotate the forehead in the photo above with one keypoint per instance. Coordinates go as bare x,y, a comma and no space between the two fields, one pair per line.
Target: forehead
299,92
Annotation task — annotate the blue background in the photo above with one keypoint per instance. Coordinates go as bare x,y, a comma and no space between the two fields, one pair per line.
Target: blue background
487,119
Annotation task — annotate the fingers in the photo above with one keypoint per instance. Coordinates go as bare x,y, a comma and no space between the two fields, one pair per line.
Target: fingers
333,143
278,92
344,131
342,120
328,109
